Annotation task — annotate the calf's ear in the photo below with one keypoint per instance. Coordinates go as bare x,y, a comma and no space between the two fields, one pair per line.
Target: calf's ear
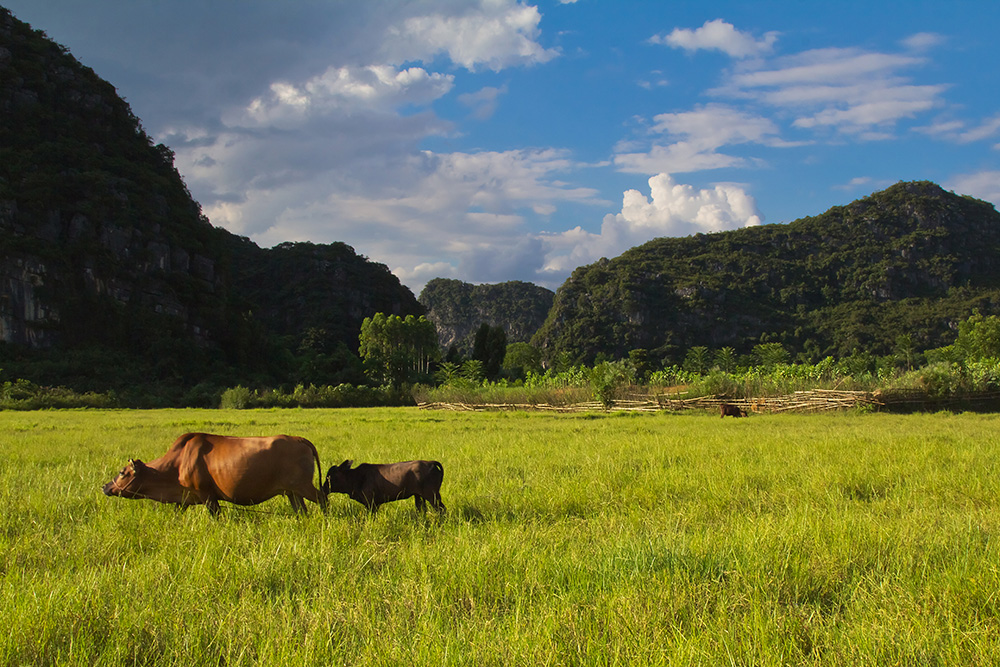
347,464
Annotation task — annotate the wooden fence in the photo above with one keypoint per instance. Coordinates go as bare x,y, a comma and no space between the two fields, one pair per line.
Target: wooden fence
816,400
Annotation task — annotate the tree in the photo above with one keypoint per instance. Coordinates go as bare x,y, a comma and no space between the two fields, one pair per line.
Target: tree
725,359
698,359
395,350
978,338
607,377
490,347
520,359
770,355
639,358
905,349
322,359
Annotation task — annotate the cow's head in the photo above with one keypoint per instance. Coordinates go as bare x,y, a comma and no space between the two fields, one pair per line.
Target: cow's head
128,482
338,478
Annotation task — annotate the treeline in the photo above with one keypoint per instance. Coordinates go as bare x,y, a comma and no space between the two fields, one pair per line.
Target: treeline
401,367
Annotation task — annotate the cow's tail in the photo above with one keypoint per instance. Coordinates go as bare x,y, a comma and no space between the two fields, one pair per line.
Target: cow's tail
439,469
319,479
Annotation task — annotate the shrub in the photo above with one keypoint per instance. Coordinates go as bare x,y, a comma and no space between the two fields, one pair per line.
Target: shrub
235,398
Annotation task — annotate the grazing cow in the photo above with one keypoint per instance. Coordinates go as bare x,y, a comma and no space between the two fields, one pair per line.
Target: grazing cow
730,410
202,469
373,484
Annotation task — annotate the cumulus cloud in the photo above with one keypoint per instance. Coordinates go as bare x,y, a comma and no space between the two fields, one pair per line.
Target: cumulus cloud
718,35
494,34
671,209
452,213
345,90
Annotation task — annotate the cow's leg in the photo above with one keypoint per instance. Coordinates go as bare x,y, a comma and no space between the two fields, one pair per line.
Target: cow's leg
213,506
420,503
436,502
298,504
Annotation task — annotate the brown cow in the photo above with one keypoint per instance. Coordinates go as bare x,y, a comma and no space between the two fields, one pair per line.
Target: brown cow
730,410
200,468
373,484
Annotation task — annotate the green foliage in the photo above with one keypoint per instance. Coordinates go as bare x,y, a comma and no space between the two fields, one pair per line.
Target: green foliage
397,350
312,396
726,359
25,395
769,355
978,338
521,359
698,359
130,270
911,260
236,398
490,348
607,378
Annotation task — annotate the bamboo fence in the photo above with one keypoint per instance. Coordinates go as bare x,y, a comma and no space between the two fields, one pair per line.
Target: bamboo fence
816,400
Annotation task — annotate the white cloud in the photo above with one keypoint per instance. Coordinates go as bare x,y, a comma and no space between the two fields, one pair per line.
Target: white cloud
959,132
923,41
495,34
483,102
699,134
851,91
983,185
460,214
672,209
344,90
719,36
854,183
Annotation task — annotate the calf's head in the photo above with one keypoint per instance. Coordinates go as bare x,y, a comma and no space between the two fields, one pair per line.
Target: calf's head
339,479
128,482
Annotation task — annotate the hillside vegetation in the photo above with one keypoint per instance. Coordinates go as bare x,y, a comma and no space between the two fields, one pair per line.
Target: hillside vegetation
910,260
113,282
111,277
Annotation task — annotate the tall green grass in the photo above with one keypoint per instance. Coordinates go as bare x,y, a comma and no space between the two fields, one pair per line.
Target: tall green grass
569,539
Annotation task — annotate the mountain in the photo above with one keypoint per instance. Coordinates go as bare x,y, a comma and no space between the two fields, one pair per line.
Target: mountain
910,260
458,308
109,273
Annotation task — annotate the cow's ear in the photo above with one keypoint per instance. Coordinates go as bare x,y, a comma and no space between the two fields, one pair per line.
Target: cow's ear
346,465
136,464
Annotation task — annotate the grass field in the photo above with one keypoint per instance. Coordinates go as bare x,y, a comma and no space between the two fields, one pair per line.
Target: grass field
584,539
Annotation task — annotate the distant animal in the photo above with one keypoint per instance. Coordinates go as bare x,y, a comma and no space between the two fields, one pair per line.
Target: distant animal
202,469
373,484
730,410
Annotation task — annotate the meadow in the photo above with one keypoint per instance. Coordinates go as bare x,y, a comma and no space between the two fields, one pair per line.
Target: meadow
586,539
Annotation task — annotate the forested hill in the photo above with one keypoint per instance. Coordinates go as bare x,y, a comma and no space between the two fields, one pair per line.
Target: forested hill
458,308
910,260
109,273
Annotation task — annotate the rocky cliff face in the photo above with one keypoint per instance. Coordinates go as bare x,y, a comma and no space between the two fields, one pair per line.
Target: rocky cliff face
102,244
89,207
457,309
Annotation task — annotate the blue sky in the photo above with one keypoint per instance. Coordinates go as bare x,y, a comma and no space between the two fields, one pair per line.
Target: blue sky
498,140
